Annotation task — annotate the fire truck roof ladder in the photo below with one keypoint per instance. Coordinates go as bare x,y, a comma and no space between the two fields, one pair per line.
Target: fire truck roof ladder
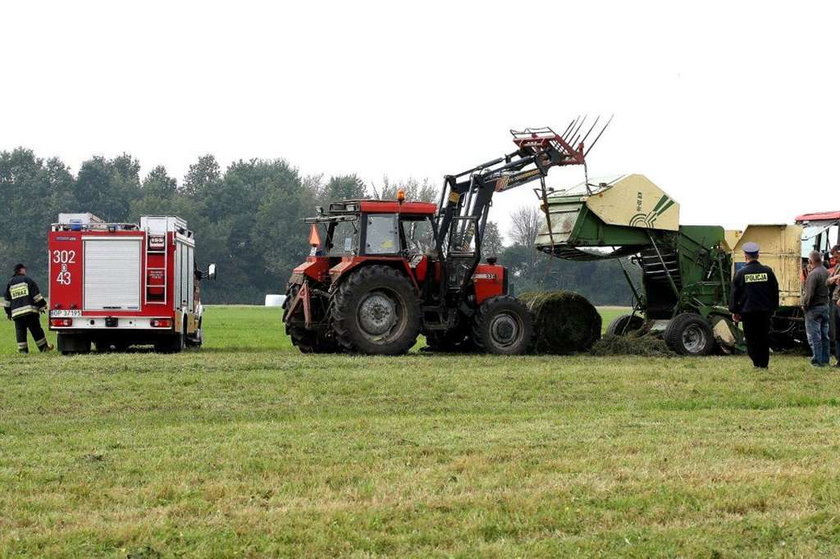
159,224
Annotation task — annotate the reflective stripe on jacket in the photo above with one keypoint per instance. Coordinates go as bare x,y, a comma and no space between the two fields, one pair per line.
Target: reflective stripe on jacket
22,297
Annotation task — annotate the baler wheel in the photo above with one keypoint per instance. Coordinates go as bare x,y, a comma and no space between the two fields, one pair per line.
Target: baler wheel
624,325
689,334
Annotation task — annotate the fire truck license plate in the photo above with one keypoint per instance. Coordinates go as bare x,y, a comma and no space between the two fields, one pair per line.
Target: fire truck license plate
69,313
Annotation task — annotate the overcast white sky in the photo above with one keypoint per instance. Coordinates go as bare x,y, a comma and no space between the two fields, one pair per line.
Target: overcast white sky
731,107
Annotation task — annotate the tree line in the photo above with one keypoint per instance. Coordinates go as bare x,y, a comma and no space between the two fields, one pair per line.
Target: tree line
248,219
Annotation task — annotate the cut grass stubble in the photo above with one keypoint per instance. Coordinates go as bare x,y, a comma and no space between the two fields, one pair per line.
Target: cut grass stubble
247,447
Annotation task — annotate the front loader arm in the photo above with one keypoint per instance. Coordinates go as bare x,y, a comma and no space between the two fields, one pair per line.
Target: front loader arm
466,197
469,194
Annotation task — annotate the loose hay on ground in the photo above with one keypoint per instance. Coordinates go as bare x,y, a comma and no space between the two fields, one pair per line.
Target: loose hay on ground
646,346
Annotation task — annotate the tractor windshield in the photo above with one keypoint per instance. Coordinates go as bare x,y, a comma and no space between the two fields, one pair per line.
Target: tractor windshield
419,236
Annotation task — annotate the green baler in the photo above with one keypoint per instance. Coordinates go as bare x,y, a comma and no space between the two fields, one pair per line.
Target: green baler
686,269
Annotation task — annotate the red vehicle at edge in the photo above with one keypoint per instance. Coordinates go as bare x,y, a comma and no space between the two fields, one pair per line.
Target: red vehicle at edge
116,285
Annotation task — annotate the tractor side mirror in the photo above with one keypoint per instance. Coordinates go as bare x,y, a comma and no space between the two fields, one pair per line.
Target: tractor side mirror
211,271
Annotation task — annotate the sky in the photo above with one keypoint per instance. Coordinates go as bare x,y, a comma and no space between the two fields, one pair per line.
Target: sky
730,107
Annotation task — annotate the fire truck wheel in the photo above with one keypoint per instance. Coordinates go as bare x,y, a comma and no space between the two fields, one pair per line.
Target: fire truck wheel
503,325
376,311
196,339
172,343
689,334
73,344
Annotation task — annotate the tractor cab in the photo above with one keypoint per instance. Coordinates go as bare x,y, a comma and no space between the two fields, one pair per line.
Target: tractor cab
357,232
360,228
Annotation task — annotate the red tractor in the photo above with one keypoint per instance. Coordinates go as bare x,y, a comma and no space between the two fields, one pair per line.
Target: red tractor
381,272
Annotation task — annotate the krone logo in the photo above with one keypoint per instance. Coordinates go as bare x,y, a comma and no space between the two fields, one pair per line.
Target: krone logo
649,219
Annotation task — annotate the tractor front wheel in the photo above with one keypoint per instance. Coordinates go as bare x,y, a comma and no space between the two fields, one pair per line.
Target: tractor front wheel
689,334
503,325
376,311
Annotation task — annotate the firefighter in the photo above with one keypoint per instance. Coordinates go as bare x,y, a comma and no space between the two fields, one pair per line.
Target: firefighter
23,301
755,297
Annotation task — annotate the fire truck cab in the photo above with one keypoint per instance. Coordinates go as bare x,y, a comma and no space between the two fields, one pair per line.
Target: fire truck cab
116,285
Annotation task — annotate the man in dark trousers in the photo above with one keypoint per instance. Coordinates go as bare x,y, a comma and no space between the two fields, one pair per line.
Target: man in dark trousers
755,297
23,303
833,283
815,303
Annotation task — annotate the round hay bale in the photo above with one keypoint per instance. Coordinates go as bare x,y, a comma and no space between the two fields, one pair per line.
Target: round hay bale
564,322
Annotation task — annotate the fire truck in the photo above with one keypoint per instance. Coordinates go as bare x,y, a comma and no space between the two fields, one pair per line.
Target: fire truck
116,285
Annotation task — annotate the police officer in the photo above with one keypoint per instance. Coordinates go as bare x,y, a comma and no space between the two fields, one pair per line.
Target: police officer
23,301
755,297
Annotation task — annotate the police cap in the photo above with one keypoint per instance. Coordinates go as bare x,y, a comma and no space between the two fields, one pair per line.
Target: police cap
751,248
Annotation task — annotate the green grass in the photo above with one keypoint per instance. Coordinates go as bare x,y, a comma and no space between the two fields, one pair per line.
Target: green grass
249,448
231,327
608,314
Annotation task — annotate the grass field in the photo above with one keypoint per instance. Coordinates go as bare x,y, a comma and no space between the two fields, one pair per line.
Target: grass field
247,448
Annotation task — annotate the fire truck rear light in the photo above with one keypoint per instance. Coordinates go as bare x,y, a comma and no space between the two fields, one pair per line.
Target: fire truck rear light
161,323
61,322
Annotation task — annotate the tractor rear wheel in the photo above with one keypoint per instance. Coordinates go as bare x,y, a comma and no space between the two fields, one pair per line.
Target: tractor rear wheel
376,311
310,341
503,325
689,334
307,341
625,324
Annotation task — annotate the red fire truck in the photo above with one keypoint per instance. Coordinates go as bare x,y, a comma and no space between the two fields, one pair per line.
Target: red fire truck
116,285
